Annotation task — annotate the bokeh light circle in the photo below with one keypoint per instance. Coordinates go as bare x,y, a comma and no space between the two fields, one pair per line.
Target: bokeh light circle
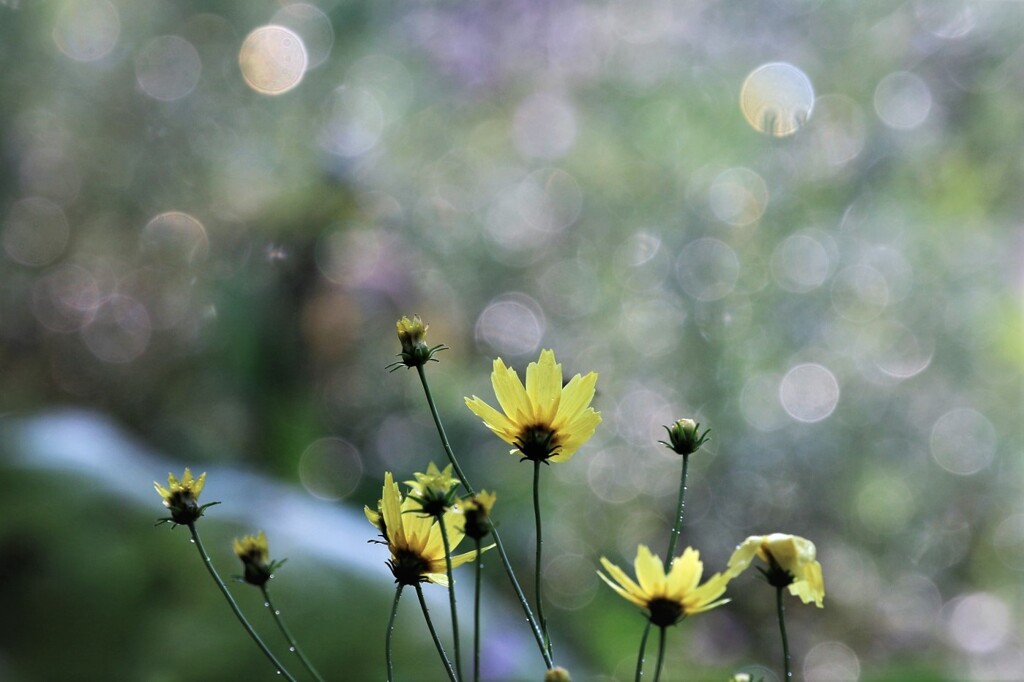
120,331
979,623
963,441
831,661
168,68
544,126
87,30
809,393
35,231
707,269
777,99
174,237
860,293
312,26
330,468
800,263
738,196
511,325
352,122
273,60
902,100
570,581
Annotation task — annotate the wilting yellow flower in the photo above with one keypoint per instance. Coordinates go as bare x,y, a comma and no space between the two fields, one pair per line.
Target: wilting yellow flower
434,490
182,497
543,420
412,335
667,598
791,563
476,513
254,553
417,549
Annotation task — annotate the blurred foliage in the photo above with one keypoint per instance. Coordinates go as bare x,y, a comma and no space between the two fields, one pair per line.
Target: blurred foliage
841,306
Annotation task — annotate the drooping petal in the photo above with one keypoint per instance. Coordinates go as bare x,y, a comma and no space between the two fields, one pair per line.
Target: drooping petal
812,587
501,425
625,594
636,594
744,554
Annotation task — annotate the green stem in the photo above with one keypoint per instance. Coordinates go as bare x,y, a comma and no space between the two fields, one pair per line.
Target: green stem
678,528
234,606
534,627
294,646
433,633
451,594
391,630
540,542
782,628
661,654
476,613
640,657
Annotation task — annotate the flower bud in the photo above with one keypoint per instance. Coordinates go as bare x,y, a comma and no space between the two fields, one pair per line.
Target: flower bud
181,497
558,674
476,513
415,351
255,557
684,437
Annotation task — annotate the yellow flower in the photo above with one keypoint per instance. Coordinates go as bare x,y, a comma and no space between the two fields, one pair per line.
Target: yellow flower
543,420
255,556
791,563
417,549
182,497
434,490
667,598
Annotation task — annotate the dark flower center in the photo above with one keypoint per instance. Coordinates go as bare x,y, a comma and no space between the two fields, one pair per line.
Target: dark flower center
664,612
408,567
538,442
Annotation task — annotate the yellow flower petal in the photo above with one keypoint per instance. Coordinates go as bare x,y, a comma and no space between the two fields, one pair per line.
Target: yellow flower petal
544,387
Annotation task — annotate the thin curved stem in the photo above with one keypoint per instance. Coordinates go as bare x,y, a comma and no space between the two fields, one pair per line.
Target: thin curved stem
433,633
780,605
538,635
680,505
234,606
640,656
677,529
479,563
451,594
391,630
540,542
294,646
661,654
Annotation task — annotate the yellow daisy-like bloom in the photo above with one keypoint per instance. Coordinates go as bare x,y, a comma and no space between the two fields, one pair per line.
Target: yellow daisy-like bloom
543,420
791,563
434,490
417,549
667,598
182,497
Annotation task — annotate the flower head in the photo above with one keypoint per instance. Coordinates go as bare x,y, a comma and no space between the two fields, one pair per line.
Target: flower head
434,490
685,437
667,598
476,514
544,421
255,556
412,334
182,497
791,563
417,548
557,674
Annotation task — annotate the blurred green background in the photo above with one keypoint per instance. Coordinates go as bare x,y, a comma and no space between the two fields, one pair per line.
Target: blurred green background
798,222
